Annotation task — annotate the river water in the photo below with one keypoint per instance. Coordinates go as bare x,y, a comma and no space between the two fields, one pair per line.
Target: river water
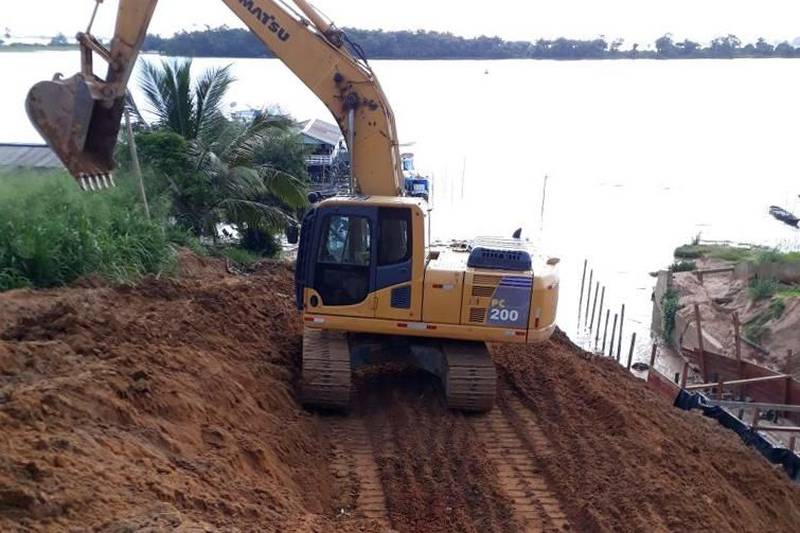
640,156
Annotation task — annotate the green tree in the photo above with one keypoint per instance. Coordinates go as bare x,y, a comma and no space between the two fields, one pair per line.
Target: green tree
725,47
214,169
763,48
59,40
665,47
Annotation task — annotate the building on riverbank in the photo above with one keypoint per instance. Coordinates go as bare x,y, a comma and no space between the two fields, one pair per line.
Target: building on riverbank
28,156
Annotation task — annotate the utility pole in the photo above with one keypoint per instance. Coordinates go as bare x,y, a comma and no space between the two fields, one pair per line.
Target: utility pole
137,169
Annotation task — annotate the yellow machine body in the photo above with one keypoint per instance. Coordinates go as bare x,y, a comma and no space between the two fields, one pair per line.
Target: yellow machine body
443,297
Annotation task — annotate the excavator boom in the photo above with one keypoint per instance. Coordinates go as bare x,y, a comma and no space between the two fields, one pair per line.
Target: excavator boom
80,116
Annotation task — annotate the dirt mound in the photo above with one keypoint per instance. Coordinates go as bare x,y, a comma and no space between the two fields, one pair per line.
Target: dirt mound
177,393
628,461
172,405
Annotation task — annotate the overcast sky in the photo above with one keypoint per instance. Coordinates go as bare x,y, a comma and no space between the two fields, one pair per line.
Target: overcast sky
634,20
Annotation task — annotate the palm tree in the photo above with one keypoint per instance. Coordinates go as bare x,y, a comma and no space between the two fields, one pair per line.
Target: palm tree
228,179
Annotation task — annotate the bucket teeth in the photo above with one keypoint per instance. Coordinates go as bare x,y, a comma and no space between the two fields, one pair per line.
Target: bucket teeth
95,182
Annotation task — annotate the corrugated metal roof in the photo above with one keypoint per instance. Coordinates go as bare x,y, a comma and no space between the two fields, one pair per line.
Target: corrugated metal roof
28,156
322,131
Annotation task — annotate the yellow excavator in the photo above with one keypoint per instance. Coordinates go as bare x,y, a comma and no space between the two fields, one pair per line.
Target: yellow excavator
371,287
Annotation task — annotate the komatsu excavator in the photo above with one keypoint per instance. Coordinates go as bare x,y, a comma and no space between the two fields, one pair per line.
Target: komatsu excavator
370,286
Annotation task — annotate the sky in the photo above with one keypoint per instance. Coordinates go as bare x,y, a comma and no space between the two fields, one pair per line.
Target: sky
634,20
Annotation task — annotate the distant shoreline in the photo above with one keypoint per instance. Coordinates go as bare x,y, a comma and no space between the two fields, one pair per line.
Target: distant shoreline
30,48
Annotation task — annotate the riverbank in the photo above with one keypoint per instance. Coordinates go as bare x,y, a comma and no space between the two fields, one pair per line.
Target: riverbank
746,299
173,404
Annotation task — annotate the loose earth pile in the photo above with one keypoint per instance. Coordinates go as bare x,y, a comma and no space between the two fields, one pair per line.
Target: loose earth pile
173,405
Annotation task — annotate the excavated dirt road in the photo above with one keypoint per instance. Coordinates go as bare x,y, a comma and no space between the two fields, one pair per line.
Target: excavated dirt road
172,406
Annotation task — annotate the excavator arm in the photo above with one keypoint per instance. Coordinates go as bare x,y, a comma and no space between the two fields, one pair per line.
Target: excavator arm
80,117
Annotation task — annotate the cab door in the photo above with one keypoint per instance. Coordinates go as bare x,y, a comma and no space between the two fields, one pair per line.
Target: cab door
344,259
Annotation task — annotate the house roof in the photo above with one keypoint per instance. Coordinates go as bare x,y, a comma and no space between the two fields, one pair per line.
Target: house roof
28,156
321,131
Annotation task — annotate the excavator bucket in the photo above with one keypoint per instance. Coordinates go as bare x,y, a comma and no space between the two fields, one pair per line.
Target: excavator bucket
81,130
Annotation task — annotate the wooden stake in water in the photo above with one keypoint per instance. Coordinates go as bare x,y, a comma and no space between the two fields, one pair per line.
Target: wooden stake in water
605,331
544,198
630,353
588,298
583,283
599,318
594,308
613,332
653,355
619,345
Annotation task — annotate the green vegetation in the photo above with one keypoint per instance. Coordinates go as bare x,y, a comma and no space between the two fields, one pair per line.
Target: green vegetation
735,254
379,44
683,266
203,172
762,288
756,330
52,234
211,171
237,255
670,306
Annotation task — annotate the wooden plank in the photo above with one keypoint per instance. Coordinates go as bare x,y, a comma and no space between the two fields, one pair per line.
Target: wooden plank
720,270
737,382
700,347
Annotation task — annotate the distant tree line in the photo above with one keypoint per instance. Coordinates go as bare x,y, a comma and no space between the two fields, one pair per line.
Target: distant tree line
379,44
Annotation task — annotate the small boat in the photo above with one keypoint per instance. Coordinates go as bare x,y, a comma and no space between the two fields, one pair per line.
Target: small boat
784,216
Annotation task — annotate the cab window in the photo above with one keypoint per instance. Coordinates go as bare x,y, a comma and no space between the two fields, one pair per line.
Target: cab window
346,241
395,236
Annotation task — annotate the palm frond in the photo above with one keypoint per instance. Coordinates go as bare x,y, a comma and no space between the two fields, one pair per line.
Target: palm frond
209,93
255,214
284,187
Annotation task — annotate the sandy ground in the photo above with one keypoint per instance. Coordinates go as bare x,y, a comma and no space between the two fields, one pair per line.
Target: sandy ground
722,294
172,406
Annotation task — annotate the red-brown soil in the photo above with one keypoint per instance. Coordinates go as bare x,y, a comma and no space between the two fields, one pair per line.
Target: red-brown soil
172,406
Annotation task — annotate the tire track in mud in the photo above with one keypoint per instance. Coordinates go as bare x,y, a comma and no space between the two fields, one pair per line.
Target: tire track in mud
353,466
514,444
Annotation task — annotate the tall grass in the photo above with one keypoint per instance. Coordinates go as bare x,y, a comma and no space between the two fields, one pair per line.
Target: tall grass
51,233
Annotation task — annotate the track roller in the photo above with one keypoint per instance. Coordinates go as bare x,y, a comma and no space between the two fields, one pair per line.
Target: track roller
470,380
326,380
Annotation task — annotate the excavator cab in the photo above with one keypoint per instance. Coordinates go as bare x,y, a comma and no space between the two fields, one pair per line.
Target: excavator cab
358,258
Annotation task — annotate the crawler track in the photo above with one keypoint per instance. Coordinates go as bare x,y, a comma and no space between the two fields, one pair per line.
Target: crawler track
513,443
326,369
354,467
471,378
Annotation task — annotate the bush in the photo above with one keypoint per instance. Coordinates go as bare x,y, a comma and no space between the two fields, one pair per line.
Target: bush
683,266
670,307
51,233
756,330
689,251
762,288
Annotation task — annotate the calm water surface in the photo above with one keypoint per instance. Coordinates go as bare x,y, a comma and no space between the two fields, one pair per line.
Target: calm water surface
641,155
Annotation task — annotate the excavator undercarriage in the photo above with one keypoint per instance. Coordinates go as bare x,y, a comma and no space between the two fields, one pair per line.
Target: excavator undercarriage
465,368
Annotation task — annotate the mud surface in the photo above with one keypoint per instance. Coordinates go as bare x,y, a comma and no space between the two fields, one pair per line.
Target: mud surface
172,406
